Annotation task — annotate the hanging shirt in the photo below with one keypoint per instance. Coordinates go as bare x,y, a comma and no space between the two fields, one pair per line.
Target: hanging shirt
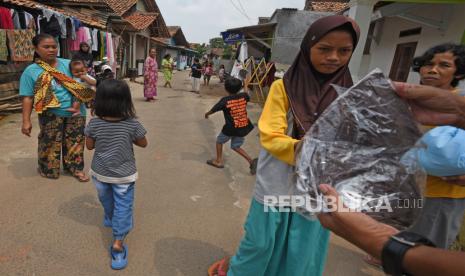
6,22
110,54
72,29
29,20
94,40
62,22
15,17
51,27
88,36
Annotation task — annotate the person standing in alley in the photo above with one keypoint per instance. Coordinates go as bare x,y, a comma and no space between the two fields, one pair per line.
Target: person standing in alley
196,75
151,76
167,66
48,87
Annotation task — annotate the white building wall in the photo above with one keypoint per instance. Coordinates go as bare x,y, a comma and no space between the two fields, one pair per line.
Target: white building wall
382,54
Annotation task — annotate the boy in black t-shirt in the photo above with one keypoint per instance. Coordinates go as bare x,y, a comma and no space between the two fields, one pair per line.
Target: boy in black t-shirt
237,124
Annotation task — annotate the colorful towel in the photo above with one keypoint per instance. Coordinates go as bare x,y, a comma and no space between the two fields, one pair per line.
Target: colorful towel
44,97
3,47
20,44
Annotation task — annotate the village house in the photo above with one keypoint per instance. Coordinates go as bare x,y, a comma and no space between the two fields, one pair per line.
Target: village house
136,21
278,37
394,32
177,46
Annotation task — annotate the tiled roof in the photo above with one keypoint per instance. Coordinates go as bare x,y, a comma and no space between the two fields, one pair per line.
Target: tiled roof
327,5
120,6
96,15
141,21
85,1
36,6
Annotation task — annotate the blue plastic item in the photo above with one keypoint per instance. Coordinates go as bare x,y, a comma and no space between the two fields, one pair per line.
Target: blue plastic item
444,154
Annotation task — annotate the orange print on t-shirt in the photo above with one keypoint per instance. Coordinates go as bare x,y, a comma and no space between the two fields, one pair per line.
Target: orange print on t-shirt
238,110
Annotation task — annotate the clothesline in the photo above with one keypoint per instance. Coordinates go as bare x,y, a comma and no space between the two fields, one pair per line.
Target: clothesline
17,27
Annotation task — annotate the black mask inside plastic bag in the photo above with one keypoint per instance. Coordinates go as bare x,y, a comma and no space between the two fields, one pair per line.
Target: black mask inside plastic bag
357,146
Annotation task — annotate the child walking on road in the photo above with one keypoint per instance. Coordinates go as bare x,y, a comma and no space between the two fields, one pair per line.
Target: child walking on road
112,133
237,124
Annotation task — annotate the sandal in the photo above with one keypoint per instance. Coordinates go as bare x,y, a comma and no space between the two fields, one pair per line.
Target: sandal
119,259
81,176
219,268
211,163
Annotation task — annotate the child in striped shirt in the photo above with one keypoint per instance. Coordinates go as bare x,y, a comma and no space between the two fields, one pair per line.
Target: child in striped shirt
112,134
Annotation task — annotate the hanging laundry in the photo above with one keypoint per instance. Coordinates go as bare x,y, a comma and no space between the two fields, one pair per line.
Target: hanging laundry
88,36
110,53
51,27
3,46
77,24
70,28
94,40
22,19
6,22
102,45
15,17
20,44
62,22
82,35
48,14
30,21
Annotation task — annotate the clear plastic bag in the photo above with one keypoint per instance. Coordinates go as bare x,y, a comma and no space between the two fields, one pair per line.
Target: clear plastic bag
357,146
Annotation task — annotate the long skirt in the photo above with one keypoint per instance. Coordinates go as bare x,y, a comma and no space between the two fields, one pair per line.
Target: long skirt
168,75
60,136
150,86
280,244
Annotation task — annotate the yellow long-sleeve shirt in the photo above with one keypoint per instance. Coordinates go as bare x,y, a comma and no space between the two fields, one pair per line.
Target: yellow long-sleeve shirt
273,125
436,187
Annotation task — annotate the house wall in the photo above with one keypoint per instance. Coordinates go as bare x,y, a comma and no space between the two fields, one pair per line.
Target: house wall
141,52
382,54
289,33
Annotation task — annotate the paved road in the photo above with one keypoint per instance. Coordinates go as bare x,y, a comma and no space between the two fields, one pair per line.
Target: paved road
187,214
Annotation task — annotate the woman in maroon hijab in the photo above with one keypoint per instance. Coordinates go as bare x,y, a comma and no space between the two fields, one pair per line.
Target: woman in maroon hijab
278,243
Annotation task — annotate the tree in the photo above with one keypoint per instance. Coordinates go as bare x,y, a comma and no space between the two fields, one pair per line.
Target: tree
227,52
201,49
217,42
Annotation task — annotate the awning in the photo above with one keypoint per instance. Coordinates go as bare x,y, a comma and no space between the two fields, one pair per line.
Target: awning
260,28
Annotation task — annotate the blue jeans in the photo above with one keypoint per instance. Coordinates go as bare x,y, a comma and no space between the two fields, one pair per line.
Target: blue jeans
117,201
236,142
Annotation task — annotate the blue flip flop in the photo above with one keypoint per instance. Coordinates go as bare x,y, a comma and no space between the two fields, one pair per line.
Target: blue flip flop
119,260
